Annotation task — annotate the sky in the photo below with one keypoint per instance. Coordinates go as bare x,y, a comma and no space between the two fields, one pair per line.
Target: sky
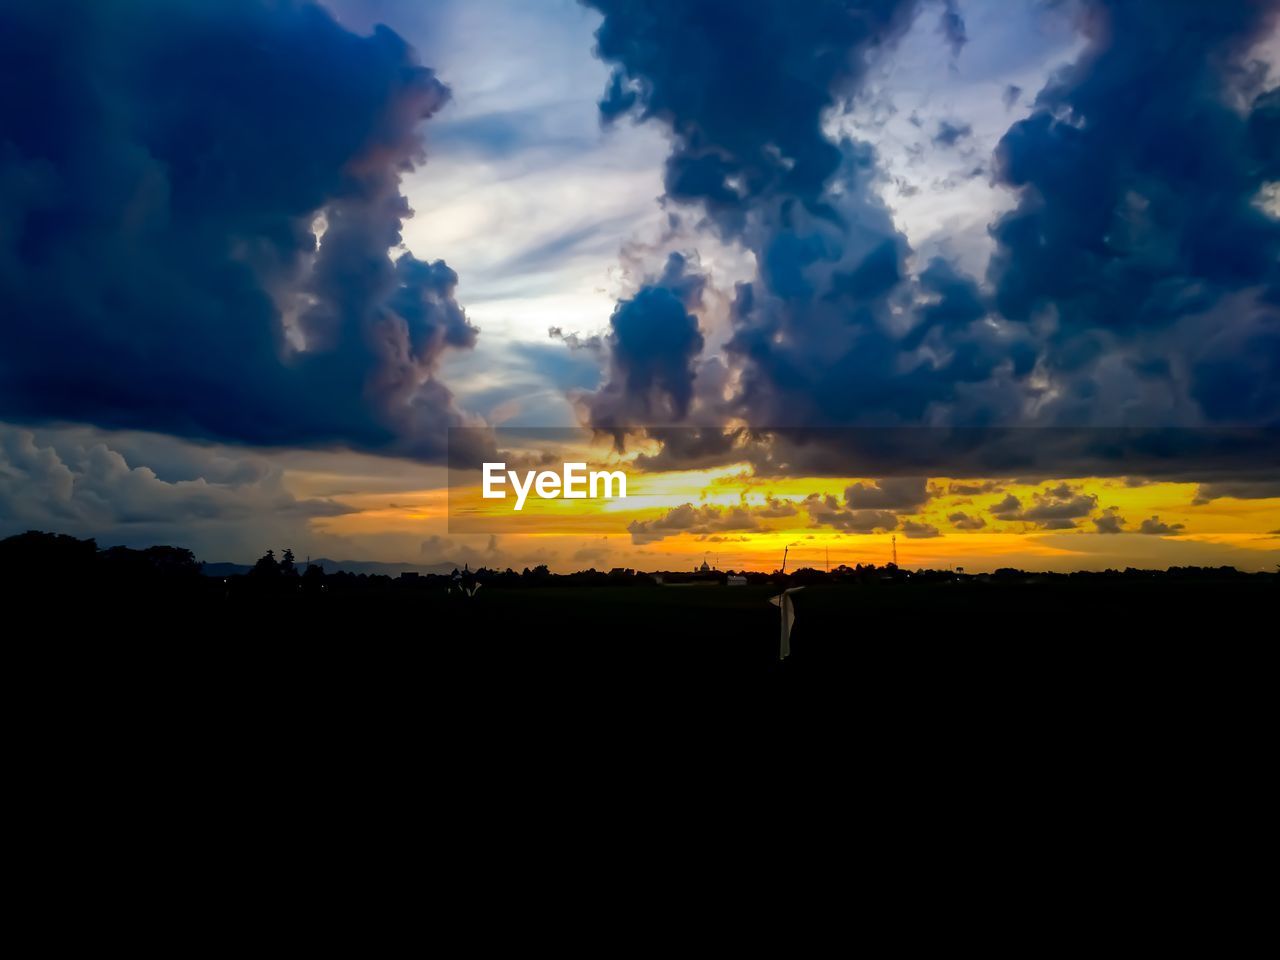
259,259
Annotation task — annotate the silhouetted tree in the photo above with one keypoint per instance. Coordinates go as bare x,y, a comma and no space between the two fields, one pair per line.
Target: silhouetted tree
46,556
267,566
170,563
312,579
286,564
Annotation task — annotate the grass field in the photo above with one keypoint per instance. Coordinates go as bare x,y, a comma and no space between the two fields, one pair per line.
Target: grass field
911,673
646,627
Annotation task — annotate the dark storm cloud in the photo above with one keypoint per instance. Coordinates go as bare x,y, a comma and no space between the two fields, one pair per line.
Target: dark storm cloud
1137,229
1133,283
818,333
1248,459
742,87
1241,488
653,342
164,170
687,448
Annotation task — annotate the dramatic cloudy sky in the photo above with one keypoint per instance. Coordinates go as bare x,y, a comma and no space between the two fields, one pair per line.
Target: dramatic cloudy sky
256,259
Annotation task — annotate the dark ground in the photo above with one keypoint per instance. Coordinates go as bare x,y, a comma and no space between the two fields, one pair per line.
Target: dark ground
869,637
1067,729
120,632
637,626
912,693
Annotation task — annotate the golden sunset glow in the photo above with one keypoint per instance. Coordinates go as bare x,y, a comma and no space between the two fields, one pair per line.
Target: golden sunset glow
743,521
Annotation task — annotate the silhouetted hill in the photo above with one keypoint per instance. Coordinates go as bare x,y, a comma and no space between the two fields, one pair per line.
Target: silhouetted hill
225,569
375,568
367,567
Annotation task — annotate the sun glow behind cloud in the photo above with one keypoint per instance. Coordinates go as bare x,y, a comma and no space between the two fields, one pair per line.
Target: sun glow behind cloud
739,520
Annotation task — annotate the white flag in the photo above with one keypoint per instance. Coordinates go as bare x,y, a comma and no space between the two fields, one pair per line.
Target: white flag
787,614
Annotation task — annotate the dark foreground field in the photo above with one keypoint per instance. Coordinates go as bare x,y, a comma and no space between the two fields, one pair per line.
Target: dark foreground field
852,634
401,676
652,628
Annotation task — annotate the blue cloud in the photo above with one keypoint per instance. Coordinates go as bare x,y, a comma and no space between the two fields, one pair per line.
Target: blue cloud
162,176
1137,182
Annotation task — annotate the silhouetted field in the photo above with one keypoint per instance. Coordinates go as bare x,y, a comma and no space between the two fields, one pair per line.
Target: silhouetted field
648,628
893,648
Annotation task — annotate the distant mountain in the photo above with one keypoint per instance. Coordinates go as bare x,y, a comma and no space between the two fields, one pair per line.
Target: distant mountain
225,569
370,567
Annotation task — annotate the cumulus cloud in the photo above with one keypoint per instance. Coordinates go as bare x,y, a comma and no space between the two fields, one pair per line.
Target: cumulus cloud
969,489
774,507
964,521
916,530
1109,521
653,342
1133,282
742,88
1154,526
199,200
874,505
1062,502
1137,176
815,339
891,493
1054,508
688,518
85,486
827,511
1008,508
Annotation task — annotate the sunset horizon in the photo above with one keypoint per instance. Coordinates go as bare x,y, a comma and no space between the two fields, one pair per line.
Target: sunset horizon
268,268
